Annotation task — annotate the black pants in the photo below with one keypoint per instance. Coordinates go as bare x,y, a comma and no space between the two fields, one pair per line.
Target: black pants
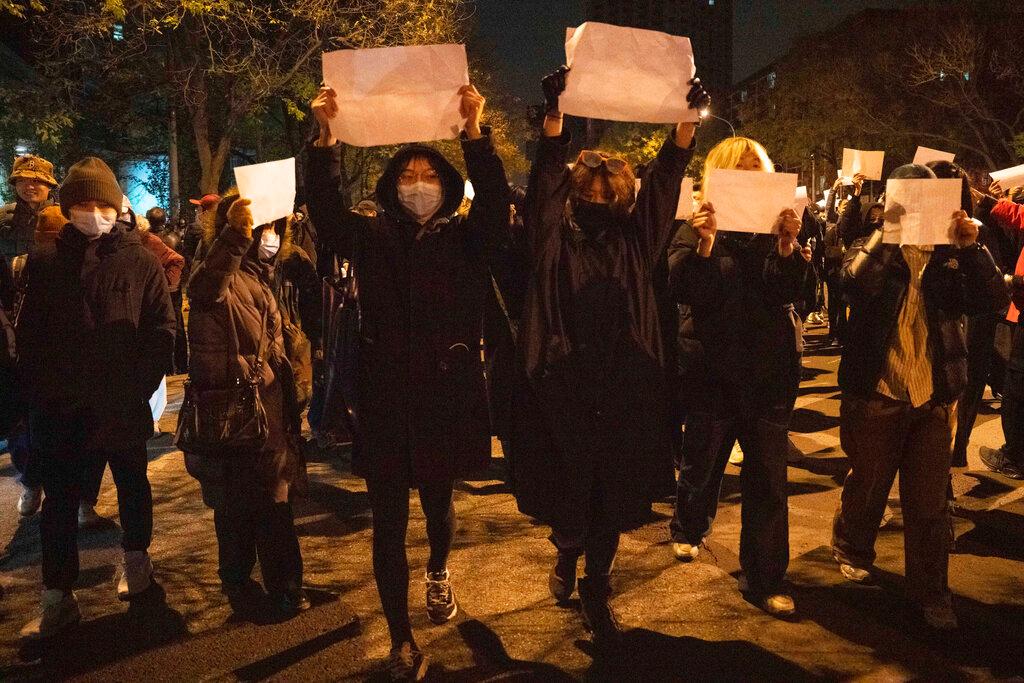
60,453
249,529
762,431
836,305
389,501
981,338
1012,412
180,336
21,457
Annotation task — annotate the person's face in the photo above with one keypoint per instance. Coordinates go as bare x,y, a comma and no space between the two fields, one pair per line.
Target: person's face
419,170
32,190
597,192
107,211
875,214
749,162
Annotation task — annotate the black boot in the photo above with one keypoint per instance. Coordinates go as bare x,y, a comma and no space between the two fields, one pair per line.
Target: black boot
598,615
562,580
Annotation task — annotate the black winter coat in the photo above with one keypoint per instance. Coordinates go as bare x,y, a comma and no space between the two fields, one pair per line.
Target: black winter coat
96,333
741,298
17,227
423,406
591,445
956,282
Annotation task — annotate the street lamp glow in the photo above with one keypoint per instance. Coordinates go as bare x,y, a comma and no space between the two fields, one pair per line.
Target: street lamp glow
705,112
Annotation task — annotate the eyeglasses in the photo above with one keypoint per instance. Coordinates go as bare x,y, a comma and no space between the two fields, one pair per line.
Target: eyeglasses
592,159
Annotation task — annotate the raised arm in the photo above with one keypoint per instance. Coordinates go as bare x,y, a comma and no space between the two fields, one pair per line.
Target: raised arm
487,224
209,280
336,225
658,199
549,186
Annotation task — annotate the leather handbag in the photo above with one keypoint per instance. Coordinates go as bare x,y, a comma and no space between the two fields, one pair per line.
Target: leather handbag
225,421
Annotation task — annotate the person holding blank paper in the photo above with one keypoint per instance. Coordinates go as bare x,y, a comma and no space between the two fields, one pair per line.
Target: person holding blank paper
423,282
741,288
903,368
590,430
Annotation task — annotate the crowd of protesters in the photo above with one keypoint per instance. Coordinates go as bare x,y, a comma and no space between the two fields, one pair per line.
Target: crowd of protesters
616,341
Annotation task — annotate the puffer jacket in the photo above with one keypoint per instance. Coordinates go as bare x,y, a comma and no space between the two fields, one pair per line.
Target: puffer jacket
17,226
234,311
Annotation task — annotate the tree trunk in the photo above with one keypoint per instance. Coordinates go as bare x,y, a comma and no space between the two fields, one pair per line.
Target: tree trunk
172,162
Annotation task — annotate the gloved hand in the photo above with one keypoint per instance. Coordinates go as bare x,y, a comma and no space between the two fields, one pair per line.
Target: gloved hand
554,85
240,217
698,98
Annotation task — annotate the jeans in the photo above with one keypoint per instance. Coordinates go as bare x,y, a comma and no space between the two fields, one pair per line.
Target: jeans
881,437
762,431
389,501
60,453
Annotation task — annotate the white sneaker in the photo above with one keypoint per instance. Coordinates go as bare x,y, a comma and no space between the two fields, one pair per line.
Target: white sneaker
29,500
87,516
736,456
136,574
779,605
58,610
855,574
685,552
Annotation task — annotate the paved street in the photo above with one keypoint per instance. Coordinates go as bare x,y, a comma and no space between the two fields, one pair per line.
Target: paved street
686,621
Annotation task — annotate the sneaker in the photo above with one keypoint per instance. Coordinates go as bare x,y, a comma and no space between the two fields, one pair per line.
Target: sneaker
855,574
441,605
736,456
87,516
136,574
939,615
814,319
406,663
562,580
778,605
58,610
29,500
685,552
995,459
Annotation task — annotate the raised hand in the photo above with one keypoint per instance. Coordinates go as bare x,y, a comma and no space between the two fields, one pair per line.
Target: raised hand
240,217
705,226
554,85
472,107
964,230
698,98
858,183
787,227
995,189
325,108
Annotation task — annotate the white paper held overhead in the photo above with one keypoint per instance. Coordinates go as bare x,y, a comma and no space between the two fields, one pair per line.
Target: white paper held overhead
749,201
859,161
627,74
919,211
394,95
1009,177
270,187
925,154
800,200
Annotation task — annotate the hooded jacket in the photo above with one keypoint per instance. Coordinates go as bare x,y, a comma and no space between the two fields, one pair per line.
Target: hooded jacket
853,223
96,333
422,288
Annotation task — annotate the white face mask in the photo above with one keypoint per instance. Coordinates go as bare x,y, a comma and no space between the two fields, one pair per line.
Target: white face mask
93,223
270,243
422,200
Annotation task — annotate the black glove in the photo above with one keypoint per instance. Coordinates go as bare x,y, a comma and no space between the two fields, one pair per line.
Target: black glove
554,85
698,98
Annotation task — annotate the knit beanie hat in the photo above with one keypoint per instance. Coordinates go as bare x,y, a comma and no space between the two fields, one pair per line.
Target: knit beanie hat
89,179
49,223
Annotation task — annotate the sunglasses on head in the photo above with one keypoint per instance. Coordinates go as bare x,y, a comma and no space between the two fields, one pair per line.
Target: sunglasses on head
592,159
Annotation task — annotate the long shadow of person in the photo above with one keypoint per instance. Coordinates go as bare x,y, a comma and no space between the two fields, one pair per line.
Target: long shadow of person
148,623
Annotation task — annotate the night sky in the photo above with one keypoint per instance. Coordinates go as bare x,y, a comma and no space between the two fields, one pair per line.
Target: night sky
527,35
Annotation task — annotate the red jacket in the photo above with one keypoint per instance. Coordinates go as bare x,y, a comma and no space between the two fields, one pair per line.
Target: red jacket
1011,215
171,261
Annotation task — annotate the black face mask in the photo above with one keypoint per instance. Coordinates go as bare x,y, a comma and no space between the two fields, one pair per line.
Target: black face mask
592,217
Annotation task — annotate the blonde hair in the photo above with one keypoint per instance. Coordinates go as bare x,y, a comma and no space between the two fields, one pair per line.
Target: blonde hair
727,155
622,185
